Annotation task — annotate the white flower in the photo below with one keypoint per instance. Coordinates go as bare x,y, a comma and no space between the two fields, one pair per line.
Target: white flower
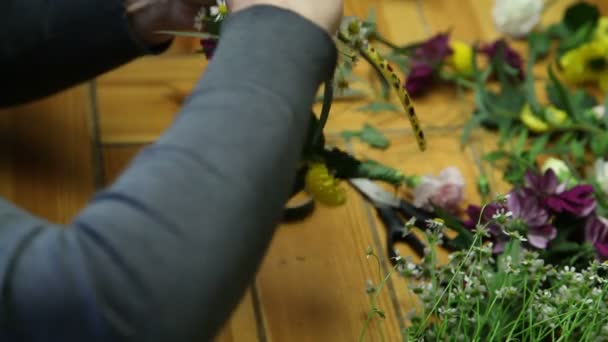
601,173
559,167
598,111
200,18
219,11
516,18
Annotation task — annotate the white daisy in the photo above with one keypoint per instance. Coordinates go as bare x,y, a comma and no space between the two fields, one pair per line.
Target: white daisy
219,11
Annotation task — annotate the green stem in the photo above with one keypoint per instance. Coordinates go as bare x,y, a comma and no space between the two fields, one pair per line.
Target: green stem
456,79
374,296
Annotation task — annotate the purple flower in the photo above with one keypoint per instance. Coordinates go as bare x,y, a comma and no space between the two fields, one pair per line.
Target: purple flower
499,239
474,211
209,45
509,56
544,185
579,200
424,61
596,233
434,50
526,208
419,79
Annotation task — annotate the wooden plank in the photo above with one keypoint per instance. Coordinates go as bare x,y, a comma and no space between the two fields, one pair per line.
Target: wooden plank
138,101
313,280
243,324
46,164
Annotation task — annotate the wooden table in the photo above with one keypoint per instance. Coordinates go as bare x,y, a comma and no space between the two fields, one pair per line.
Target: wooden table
311,286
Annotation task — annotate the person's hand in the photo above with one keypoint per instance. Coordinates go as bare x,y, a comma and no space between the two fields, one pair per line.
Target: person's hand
325,13
150,16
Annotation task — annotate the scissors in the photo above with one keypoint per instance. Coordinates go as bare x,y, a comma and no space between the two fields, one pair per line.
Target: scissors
394,213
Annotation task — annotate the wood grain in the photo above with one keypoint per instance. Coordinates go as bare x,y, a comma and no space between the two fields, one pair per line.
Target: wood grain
47,155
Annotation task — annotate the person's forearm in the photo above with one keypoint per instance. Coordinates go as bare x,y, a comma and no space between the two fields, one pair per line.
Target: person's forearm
166,252
48,46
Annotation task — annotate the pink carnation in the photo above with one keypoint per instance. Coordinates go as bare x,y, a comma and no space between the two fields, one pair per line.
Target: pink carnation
445,190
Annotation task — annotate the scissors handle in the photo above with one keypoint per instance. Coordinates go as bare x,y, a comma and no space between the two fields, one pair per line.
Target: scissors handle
395,225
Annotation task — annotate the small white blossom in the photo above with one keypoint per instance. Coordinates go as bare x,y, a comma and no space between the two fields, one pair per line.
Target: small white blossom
200,18
516,18
219,11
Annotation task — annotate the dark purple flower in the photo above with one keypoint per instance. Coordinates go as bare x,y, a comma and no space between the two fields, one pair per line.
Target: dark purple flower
419,79
434,50
499,239
209,45
527,208
596,233
579,200
545,184
424,61
509,56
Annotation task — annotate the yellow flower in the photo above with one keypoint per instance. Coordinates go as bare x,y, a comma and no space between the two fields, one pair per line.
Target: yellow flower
461,58
601,31
323,186
534,123
588,62
603,81
555,117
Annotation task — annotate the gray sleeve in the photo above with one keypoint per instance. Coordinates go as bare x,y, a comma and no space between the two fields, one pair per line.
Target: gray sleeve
166,252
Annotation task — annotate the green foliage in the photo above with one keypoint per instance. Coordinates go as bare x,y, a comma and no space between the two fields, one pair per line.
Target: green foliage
370,136
577,26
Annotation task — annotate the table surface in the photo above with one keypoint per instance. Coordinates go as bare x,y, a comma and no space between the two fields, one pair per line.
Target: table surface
311,286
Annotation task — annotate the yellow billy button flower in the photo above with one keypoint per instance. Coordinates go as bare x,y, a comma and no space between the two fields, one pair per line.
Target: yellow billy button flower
534,123
588,62
461,58
323,186
601,31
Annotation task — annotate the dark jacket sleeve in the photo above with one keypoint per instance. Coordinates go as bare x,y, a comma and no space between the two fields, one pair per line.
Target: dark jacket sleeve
47,46
166,252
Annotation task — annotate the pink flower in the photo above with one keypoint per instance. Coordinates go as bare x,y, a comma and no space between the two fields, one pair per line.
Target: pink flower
444,191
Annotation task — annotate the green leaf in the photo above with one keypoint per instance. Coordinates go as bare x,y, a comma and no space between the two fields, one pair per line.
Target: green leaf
539,43
538,146
564,97
578,38
579,15
565,247
495,155
376,107
577,150
520,144
557,31
599,144
369,135
376,171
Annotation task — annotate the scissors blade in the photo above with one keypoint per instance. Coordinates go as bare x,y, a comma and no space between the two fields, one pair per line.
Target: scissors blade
375,193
